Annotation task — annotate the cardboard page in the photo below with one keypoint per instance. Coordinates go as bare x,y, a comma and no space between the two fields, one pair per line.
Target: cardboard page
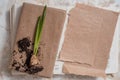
50,35
88,40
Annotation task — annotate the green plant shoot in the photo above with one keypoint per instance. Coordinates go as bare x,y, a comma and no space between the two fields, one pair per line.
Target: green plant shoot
39,31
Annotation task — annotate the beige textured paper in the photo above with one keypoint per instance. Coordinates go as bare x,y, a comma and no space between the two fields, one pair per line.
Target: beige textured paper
88,40
50,35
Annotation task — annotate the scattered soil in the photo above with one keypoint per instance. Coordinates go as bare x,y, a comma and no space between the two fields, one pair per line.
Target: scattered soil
21,60
23,44
35,69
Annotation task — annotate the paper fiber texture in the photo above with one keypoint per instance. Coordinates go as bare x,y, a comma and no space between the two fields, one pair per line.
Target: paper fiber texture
88,40
51,33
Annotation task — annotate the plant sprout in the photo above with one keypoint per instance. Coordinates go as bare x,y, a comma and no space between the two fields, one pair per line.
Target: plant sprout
34,59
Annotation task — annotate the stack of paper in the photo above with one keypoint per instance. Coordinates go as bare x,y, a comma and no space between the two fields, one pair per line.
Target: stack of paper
88,40
49,42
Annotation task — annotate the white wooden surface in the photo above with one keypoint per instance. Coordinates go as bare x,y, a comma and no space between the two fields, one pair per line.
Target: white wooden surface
5,5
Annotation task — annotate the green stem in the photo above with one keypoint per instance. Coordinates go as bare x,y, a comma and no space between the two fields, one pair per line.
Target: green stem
39,31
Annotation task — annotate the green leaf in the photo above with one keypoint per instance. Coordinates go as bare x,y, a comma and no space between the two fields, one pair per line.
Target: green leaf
39,31
36,35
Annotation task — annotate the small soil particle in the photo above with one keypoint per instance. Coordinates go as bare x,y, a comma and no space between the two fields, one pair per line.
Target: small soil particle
17,68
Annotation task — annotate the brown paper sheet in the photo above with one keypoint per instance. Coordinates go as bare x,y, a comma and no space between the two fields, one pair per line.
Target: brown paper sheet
82,69
51,33
88,40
